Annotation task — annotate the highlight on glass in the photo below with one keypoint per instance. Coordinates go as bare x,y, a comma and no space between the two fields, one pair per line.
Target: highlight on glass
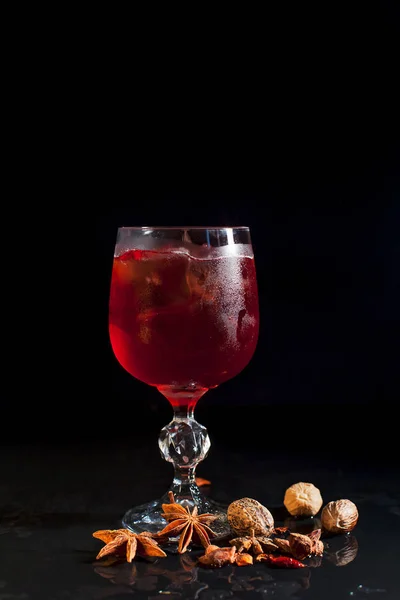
183,318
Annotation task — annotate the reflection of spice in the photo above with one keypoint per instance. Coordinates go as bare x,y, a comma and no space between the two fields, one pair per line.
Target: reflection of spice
146,575
314,562
346,554
179,576
122,577
189,525
285,562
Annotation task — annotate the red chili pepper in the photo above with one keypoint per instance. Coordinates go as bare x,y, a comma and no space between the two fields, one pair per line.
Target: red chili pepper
285,562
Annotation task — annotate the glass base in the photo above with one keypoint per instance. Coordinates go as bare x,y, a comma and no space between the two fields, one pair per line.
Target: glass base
147,517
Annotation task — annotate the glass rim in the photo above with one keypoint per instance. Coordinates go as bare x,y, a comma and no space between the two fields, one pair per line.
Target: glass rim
183,227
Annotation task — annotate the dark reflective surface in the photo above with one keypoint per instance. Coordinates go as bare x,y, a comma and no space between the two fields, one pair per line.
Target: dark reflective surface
54,496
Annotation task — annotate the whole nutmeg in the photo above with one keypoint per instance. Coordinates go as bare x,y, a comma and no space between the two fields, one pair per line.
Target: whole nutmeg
303,499
247,514
339,516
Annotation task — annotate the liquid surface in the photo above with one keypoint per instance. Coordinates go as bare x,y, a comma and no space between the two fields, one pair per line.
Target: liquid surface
178,320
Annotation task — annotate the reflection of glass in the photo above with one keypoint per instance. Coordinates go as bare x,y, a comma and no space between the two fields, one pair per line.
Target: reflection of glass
183,317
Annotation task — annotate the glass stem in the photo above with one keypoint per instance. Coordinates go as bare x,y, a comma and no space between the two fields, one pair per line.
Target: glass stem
184,474
184,443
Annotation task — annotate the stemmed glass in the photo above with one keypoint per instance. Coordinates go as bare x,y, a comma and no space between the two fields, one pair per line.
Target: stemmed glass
184,318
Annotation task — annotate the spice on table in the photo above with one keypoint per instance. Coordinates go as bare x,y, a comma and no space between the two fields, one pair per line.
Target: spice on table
280,531
257,544
315,535
243,559
201,482
301,545
217,557
318,550
124,541
303,499
283,545
190,526
340,516
282,562
247,514
267,544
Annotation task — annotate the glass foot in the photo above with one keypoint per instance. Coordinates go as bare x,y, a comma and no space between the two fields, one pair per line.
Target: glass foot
184,443
147,517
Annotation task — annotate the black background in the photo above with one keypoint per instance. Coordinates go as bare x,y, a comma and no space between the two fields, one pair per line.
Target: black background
325,237
294,135
284,119
328,355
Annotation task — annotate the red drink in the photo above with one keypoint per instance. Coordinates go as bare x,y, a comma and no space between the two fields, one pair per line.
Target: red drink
181,321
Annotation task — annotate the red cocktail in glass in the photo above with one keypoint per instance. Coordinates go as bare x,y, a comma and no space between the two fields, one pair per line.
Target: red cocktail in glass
183,317
181,321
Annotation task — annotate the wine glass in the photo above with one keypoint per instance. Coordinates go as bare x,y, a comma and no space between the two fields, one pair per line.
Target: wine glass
184,318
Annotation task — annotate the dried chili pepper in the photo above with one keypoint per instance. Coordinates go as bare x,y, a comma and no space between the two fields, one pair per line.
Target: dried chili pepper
283,562
286,562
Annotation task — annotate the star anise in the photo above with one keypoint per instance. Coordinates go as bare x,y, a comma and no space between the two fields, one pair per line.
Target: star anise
124,541
256,543
189,525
